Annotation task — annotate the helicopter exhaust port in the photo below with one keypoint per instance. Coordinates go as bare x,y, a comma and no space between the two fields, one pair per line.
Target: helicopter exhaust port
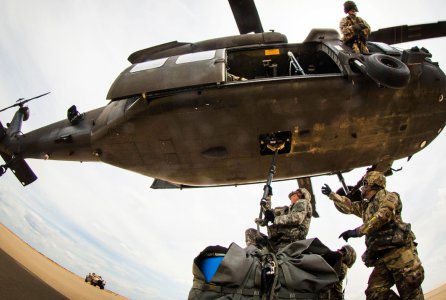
270,142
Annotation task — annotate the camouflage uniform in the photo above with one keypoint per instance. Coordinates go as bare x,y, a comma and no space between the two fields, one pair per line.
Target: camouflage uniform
391,248
348,258
291,223
355,40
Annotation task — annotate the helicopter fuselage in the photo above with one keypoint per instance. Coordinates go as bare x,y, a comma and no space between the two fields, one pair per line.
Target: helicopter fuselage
195,119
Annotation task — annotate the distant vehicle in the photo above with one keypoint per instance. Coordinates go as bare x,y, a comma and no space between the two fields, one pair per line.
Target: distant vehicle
95,280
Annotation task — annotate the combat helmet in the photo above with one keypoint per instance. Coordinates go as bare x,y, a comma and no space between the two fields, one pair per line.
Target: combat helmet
349,5
348,255
375,178
304,192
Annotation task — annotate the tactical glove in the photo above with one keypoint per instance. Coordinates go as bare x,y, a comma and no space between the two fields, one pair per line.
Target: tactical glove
261,222
269,215
353,233
357,28
326,190
270,189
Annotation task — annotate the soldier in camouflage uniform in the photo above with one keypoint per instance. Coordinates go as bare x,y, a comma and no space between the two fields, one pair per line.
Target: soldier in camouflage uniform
354,29
348,258
289,223
391,247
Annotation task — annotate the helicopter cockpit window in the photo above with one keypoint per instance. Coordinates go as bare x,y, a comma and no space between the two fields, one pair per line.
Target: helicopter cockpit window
147,65
198,56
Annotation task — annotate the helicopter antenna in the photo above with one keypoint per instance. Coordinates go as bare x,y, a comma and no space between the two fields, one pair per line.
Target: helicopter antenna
21,101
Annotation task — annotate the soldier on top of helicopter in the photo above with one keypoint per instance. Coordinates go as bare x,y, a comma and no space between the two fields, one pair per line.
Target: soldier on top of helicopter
354,29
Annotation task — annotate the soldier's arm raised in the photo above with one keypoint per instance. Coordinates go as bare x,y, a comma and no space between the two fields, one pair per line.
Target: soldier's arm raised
345,205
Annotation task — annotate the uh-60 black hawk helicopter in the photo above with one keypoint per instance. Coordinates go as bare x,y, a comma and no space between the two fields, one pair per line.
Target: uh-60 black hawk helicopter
209,113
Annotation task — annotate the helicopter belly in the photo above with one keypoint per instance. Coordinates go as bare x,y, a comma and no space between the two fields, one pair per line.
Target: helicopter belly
210,136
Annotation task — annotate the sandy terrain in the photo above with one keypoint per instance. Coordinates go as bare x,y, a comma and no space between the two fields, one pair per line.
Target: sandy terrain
27,274
437,294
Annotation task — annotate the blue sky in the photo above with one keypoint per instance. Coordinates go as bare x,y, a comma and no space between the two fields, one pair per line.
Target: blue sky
91,217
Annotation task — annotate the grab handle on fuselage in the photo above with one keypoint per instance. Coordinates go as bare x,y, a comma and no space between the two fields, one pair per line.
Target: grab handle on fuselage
295,63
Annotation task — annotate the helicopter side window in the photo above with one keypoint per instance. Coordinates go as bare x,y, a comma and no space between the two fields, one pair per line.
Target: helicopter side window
197,56
147,65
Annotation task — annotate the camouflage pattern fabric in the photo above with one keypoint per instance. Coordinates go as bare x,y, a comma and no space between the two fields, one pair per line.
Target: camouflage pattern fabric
348,258
337,291
401,267
253,239
355,39
375,178
291,223
390,246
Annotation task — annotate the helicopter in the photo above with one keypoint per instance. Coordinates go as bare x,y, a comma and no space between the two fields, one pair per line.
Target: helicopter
202,114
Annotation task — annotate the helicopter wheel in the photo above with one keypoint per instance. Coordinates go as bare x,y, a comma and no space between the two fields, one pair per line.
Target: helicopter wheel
387,70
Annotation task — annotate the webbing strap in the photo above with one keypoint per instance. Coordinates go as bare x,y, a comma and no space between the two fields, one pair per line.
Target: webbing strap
290,295
225,290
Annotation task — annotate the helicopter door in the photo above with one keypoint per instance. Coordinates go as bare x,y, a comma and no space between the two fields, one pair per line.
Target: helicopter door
172,73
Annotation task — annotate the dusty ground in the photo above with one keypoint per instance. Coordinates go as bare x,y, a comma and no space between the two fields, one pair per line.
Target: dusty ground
437,294
27,274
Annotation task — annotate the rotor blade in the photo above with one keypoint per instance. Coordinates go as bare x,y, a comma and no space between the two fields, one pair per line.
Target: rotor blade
20,102
246,16
27,100
9,107
405,33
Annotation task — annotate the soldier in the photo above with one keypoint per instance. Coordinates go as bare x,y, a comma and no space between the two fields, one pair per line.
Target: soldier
289,223
348,258
391,247
354,29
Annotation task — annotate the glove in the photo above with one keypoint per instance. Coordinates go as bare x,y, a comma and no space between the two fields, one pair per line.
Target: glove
353,233
270,189
357,27
265,204
269,216
326,190
261,222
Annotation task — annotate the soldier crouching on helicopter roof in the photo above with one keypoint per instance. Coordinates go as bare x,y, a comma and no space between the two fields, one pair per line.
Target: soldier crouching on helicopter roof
391,246
354,29
289,223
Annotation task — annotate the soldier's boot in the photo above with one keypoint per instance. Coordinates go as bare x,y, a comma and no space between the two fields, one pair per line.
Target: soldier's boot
252,238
